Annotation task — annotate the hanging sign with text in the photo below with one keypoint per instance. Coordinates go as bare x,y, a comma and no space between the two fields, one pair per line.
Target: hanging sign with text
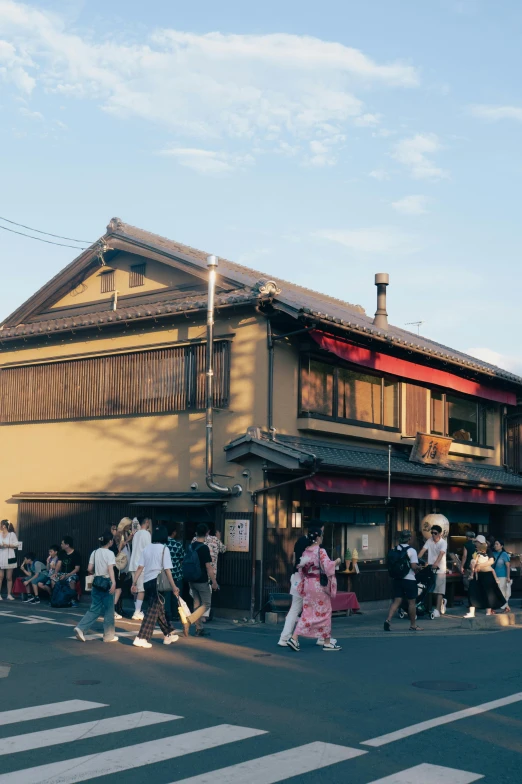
237,535
431,450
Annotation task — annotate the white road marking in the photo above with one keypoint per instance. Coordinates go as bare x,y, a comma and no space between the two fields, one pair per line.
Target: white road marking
129,757
450,717
32,619
430,774
88,729
5,669
119,633
45,711
278,767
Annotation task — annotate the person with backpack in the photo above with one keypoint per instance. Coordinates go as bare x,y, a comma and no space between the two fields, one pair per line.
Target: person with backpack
200,575
402,565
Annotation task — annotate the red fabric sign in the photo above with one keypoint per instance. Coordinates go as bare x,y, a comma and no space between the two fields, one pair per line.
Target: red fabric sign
410,370
353,485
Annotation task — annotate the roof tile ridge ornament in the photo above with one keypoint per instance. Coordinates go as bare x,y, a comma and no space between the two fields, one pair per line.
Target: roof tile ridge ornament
266,288
115,224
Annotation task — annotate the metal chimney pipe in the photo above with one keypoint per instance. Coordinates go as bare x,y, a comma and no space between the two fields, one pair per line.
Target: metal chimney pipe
382,279
236,490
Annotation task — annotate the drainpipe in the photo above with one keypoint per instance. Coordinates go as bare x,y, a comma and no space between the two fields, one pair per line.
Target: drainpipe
236,490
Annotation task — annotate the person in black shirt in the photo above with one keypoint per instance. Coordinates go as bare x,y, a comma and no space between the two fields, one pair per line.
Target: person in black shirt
201,590
71,563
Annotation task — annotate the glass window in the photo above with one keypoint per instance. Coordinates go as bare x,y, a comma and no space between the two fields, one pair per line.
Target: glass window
391,403
359,397
317,388
490,419
437,413
462,419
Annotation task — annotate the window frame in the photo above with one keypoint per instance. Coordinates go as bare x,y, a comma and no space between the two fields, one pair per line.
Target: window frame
137,274
481,408
306,357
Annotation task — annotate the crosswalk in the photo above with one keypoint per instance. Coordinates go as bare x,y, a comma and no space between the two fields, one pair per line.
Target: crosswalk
267,769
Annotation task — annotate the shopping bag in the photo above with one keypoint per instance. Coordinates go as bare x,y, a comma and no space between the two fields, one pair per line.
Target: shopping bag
184,611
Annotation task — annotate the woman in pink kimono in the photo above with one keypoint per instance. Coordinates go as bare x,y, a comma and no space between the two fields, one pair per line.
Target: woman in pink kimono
316,618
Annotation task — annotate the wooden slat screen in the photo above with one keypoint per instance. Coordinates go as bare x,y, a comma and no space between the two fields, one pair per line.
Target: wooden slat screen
145,382
137,275
416,410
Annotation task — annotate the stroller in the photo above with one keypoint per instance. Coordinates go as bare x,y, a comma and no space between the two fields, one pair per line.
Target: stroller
425,578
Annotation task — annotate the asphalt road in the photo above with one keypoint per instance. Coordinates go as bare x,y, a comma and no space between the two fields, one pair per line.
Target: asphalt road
271,700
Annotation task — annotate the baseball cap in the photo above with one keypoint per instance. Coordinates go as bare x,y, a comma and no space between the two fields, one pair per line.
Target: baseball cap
481,539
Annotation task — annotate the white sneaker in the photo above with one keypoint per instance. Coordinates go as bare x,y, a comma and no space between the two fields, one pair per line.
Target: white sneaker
283,643
139,643
469,615
331,647
170,638
79,634
117,617
114,639
11,598
435,613
443,608
321,642
138,616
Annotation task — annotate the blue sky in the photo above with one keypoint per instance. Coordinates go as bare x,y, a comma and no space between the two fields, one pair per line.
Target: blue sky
321,142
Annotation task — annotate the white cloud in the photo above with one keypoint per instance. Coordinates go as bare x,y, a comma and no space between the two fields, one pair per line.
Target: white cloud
414,153
411,205
380,239
368,120
495,113
207,161
243,90
30,115
505,361
379,174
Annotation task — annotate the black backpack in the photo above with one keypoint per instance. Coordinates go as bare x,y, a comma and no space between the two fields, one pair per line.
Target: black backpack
63,595
192,565
398,562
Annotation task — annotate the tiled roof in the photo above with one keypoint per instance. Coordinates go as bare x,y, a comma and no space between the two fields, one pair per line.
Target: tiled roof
364,459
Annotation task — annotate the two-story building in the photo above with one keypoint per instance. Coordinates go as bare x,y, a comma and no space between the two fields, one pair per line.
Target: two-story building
316,410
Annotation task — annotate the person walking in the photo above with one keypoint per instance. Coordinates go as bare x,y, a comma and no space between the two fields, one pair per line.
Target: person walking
140,541
502,568
176,556
484,592
153,560
198,570
296,607
468,551
8,547
437,547
101,564
317,585
217,548
405,587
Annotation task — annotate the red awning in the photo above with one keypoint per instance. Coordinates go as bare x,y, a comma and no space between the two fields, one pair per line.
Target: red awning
353,485
410,370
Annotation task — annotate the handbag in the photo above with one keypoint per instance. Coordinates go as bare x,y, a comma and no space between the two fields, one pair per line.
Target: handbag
121,560
323,577
11,561
101,583
163,583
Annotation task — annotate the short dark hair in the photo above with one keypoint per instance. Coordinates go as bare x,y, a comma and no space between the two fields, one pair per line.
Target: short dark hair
31,556
470,534
105,538
173,528
55,547
405,536
68,540
160,535
202,529
436,529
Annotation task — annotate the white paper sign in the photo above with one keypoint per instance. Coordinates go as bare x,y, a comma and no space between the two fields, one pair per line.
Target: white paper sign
237,535
365,544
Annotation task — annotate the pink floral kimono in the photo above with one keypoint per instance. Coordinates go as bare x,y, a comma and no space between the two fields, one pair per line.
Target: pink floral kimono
316,618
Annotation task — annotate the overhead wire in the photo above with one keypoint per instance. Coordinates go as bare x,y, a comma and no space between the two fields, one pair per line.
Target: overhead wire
47,233
49,242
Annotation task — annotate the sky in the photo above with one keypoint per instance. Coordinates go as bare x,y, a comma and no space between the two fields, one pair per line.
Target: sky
317,142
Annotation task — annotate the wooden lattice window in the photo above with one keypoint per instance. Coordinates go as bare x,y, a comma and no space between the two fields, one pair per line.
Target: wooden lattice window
107,282
137,275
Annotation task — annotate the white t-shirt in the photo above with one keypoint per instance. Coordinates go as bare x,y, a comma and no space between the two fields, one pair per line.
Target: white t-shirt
412,555
101,559
154,558
140,540
434,548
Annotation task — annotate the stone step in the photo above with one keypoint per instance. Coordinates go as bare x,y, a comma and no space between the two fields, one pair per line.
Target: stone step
482,621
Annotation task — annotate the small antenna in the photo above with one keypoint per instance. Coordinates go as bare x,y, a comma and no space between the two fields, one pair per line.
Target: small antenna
416,324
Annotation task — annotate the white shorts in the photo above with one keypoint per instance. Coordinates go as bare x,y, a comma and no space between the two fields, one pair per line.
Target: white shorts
140,586
440,584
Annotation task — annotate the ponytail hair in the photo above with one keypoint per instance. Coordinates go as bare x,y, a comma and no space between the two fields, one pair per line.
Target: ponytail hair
105,538
312,535
8,525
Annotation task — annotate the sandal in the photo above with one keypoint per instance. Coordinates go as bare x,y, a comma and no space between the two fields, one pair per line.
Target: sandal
415,629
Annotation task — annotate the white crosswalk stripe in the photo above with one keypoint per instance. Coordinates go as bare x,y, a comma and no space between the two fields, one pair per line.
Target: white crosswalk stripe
280,766
88,729
430,774
46,711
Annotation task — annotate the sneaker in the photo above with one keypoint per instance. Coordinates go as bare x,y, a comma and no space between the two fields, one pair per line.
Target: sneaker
435,613
11,598
36,600
283,643
138,616
114,639
331,647
202,633
30,600
170,638
387,626
293,644
469,615
443,607
321,641
79,634
117,616
139,643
